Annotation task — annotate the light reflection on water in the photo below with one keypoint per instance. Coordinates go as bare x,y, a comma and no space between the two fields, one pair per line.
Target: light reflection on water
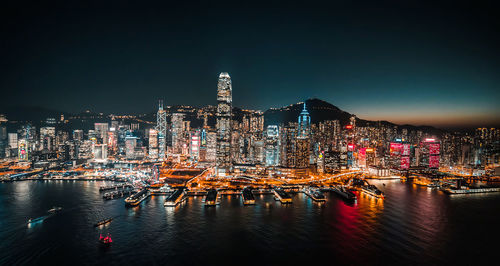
412,223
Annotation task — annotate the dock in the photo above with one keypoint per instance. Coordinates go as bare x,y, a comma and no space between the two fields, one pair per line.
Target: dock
117,194
211,198
471,190
282,196
115,187
247,196
137,198
178,196
315,194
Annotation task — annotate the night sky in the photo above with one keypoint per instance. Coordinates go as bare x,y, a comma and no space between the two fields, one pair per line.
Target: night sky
402,61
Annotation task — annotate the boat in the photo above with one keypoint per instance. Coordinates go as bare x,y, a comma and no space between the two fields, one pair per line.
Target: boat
372,191
103,222
105,240
55,209
137,198
36,220
345,193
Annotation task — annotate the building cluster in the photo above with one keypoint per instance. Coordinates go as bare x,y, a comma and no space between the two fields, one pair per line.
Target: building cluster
240,143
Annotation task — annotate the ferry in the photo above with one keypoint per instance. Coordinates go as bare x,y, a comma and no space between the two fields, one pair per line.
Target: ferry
282,196
211,199
247,196
372,191
175,198
345,193
315,194
137,198
103,222
36,220
162,190
55,209
105,240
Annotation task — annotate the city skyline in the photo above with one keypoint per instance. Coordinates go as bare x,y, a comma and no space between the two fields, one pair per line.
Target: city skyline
378,62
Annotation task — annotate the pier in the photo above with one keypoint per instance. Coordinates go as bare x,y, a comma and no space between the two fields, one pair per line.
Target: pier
115,187
315,194
247,196
117,194
282,196
211,198
178,196
137,198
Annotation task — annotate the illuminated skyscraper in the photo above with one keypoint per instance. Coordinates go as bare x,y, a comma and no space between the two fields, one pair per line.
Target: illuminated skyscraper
102,132
178,126
224,112
304,124
161,127
303,143
153,144
272,145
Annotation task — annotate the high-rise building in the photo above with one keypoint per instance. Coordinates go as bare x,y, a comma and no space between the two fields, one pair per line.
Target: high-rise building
161,128
130,145
272,146
304,124
194,145
303,142
47,138
100,152
101,130
153,144
78,134
223,124
177,132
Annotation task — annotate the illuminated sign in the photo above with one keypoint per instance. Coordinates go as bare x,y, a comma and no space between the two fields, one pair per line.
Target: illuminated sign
430,140
348,126
405,149
434,161
395,148
350,146
405,162
434,148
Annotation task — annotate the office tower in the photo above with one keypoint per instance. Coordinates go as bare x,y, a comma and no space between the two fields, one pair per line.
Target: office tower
161,128
78,134
101,130
130,145
272,145
100,152
177,132
303,142
194,145
304,124
288,136
153,144
223,124
211,146
47,138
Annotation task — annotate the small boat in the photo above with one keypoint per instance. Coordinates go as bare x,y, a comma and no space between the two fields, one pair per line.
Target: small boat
55,209
105,240
103,222
35,220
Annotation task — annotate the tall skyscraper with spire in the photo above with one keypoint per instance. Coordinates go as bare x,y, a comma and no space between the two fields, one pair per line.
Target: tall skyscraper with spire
304,123
161,127
223,126
303,143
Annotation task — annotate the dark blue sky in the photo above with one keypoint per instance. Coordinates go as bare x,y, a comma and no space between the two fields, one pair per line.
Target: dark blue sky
410,62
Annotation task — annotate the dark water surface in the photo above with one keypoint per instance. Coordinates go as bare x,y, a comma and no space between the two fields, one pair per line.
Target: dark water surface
413,225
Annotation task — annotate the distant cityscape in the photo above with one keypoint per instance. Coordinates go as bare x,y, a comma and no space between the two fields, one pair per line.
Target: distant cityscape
234,142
